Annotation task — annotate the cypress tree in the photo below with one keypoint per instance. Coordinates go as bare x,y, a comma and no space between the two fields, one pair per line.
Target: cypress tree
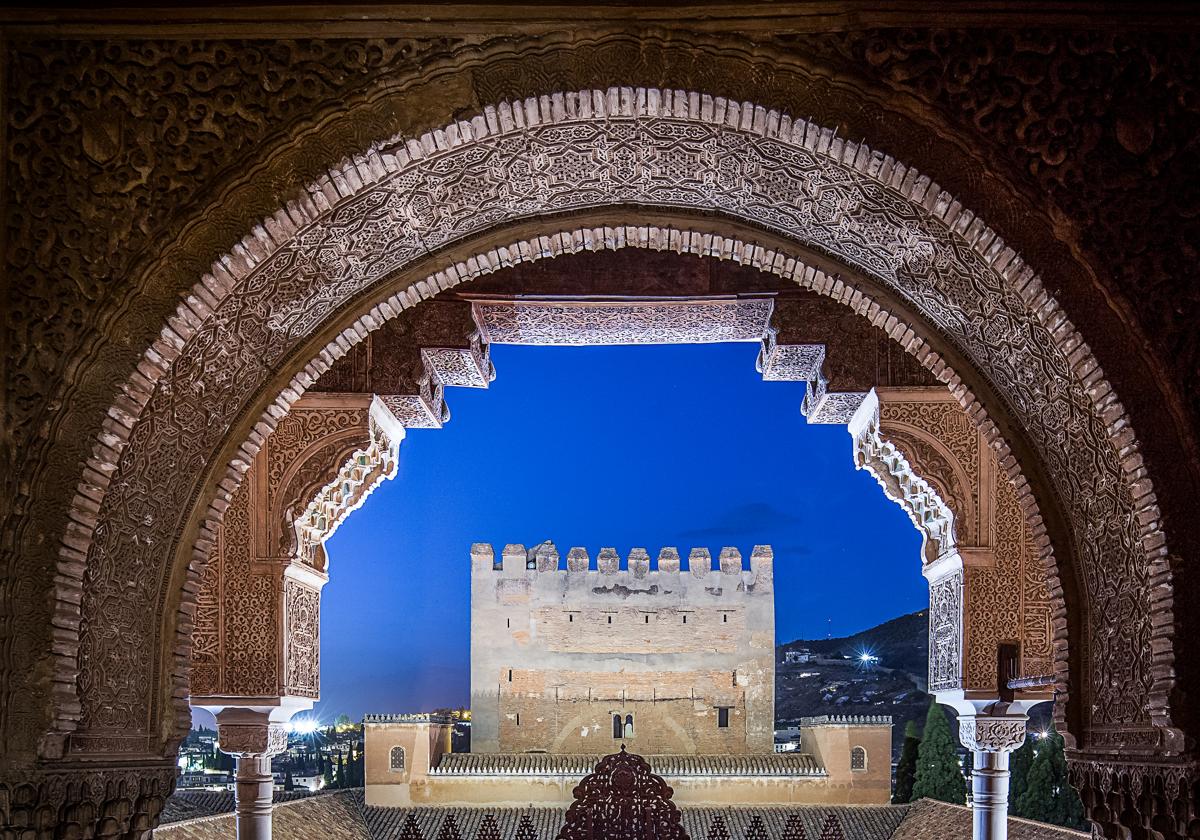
1018,768
288,783
938,773
1048,796
352,768
906,769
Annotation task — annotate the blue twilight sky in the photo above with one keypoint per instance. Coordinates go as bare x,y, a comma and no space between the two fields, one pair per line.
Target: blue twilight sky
679,445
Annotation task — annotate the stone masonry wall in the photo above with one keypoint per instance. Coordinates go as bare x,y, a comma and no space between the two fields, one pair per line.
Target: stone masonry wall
556,654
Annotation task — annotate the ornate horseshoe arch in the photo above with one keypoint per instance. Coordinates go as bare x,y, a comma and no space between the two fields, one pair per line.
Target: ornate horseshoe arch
632,154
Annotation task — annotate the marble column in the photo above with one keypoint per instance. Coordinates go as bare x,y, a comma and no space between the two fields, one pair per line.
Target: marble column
252,737
991,735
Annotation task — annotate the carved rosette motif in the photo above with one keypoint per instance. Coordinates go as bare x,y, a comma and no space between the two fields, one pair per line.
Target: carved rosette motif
991,734
945,633
652,149
252,739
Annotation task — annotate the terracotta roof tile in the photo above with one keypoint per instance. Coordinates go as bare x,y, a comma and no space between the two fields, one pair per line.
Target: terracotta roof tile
333,816
931,820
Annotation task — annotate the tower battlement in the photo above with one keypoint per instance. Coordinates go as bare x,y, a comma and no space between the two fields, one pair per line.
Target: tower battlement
515,558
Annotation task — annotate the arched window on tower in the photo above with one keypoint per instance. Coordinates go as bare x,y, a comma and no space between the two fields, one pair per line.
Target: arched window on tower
628,726
396,759
858,759
618,730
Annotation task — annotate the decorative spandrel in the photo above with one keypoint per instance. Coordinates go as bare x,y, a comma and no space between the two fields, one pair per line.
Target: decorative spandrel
622,800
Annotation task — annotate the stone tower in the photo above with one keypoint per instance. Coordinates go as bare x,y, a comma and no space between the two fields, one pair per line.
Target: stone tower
582,660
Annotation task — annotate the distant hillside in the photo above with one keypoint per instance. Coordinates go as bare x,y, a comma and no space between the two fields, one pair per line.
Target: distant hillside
901,644
832,685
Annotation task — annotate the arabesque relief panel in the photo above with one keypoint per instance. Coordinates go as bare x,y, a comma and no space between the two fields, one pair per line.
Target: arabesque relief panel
1005,599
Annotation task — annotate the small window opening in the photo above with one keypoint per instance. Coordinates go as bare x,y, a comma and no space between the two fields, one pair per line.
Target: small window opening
618,729
610,619
508,622
510,674
724,618
647,619
858,759
685,619
518,718
570,616
396,759
628,726
722,717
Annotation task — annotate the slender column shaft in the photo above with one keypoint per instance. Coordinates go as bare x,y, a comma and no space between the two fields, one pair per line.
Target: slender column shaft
252,797
989,795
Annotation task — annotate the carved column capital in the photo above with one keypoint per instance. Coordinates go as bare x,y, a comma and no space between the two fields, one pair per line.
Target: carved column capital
247,740
992,734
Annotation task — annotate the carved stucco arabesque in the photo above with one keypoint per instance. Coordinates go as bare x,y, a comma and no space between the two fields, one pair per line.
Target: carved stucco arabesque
651,149
1004,598
256,630
332,67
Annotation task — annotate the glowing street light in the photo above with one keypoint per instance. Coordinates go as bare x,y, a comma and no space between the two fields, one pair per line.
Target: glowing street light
303,726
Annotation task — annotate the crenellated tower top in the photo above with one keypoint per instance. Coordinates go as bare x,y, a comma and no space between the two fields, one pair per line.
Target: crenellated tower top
544,557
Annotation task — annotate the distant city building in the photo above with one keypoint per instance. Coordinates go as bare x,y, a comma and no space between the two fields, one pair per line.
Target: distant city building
678,666
800,656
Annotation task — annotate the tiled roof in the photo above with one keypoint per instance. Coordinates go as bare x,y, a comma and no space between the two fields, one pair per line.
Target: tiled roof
333,816
930,820
190,804
387,823
342,815
668,766
858,822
